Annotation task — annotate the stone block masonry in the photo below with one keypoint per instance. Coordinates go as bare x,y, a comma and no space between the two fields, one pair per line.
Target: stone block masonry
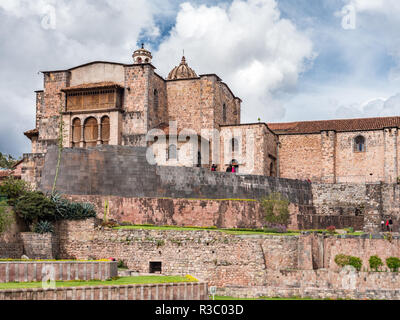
123,173
244,265
182,212
40,246
165,291
34,271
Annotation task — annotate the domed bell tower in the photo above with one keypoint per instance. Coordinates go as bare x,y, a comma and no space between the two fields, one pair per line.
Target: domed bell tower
142,56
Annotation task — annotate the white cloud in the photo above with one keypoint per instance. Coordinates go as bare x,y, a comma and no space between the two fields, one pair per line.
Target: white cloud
385,6
378,107
247,43
84,31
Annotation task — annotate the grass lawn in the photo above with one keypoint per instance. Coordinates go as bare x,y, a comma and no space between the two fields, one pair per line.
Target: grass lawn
229,231
119,281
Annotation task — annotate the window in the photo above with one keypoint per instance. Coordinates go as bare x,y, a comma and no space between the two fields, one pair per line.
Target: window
224,113
155,100
172,152
235,145
155,267
105,130
76,132
359,144
91,132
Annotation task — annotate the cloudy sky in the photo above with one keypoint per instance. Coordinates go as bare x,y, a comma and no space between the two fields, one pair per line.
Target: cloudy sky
288,60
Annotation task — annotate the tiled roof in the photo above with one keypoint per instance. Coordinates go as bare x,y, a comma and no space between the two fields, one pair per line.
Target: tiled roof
5,173
344,125
97,85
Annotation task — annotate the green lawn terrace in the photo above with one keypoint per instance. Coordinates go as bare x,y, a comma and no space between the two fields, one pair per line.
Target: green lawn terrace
118,281
242,231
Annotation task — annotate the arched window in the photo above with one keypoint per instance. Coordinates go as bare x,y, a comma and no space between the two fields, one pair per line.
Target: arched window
224,113
155,100
359,144
76,132
172,152
235,145
105,130
91,132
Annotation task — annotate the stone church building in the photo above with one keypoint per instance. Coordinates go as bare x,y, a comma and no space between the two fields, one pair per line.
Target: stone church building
107,103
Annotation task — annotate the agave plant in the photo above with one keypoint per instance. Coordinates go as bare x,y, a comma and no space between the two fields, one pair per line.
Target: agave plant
67,210
44,227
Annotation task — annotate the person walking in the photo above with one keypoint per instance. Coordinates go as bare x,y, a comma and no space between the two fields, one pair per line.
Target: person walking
213,167
382,225
390,225
387,225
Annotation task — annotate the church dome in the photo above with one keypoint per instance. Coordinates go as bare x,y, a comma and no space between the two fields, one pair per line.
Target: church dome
142,55
183,71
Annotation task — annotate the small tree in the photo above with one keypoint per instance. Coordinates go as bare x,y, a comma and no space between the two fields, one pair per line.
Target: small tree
276,209
375,263
393,264
7,161
13,189
34,207
355,262
342,260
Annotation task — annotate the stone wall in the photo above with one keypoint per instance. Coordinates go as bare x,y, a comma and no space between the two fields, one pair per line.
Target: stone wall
330,156
165,291
19,271
32,166
10,242
322,284
124,171
243,265
40,246
300,157
182,212
256,150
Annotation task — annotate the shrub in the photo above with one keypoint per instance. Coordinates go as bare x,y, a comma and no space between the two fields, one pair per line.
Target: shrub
331,229
393,264
35,206
342,260
122,265
43,227
13,189
276,209
6,216
375,263
356,263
